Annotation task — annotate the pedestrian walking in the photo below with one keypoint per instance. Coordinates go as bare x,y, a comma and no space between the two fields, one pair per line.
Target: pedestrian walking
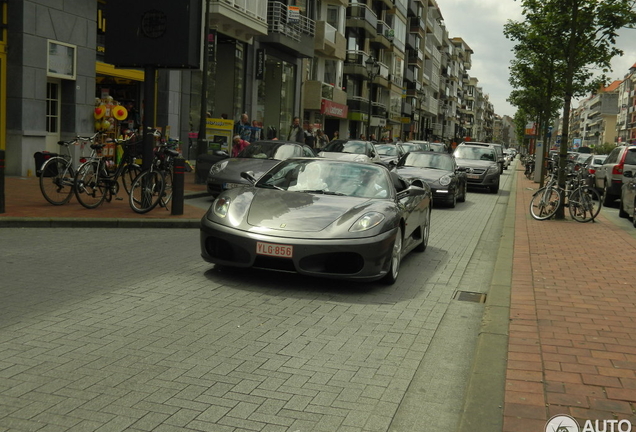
296,131
310,137
243,128
321,139
238,144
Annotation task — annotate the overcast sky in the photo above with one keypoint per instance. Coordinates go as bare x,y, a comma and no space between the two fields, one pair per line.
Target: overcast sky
480,23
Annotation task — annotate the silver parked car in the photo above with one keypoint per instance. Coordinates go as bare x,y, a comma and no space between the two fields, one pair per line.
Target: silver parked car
480,164
628,186
353,150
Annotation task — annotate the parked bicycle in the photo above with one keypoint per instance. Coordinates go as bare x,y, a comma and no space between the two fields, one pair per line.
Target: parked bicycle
583,202
94,184
154,186
529,163
57,175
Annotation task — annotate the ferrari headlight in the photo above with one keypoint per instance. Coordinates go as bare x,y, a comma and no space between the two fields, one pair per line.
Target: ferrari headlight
367,221
445,181
221,206
218,167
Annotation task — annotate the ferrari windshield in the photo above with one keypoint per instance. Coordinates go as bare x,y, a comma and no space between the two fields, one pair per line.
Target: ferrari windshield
271,150
475,153
428,160
330,177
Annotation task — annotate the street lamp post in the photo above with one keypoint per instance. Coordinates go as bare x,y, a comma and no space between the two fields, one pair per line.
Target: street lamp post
373,69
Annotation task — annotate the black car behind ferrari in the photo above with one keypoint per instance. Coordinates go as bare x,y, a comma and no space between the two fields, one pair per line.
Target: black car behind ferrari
446,180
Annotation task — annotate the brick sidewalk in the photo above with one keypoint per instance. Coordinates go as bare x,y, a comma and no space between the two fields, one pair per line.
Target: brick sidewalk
23,199
572,344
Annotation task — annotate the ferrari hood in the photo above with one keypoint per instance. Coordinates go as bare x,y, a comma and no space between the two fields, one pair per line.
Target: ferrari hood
299,211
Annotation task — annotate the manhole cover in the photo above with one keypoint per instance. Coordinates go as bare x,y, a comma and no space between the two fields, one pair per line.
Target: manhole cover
470,296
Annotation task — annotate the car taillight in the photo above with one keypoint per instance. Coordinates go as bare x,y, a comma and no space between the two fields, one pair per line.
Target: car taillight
591,171
617,170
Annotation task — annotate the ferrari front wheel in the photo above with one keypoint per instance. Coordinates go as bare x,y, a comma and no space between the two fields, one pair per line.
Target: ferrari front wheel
396,258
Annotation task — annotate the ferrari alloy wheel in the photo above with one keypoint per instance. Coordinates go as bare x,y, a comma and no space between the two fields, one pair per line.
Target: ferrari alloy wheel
396,258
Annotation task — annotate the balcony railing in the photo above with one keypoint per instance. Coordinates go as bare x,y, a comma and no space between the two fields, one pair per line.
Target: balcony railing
384,30
356,57
278,20
330,33
378,109
357,103
362,12
255,8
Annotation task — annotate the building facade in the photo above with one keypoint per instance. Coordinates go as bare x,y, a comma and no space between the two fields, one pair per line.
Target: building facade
271,60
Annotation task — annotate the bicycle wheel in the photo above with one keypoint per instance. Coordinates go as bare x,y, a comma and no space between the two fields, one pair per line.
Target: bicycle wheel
56,180
128,176
545,203
584,204
167,190
146,191
90,190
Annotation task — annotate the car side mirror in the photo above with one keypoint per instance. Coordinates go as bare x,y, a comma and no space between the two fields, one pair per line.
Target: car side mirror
249,176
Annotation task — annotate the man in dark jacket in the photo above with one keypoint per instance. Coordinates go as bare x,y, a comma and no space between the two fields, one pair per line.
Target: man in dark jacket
296,132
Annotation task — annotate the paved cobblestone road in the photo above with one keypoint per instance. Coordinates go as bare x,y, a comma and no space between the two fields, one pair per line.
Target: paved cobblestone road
129,330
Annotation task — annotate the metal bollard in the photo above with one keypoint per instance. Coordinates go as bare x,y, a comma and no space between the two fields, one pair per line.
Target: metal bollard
178,186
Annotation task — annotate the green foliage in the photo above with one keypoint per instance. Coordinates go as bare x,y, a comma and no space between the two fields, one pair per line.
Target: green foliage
604,148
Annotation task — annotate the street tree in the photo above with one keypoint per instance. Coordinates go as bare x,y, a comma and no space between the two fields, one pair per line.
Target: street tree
581,34
534,75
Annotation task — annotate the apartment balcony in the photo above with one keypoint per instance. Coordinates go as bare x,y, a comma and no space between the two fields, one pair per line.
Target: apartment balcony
329,42
241,19
412,9
388,3
315,91
354,63
407,109
358,104
411,41
360,16
383,37
378,109
417,25
409,75
415,58
414,89
295,38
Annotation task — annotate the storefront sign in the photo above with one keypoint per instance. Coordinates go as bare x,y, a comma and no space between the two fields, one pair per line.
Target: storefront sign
333,109
260,64
293,15
218,133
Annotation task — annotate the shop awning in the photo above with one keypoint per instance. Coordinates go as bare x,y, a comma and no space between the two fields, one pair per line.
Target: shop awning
110,70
